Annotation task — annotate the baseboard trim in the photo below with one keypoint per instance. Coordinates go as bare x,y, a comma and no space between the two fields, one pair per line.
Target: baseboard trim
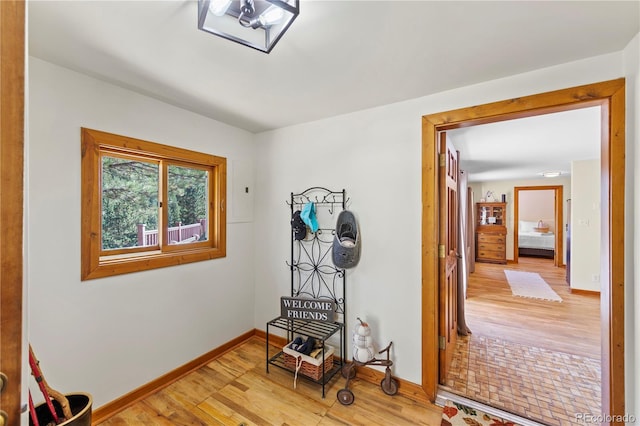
112,408
273,339
585,292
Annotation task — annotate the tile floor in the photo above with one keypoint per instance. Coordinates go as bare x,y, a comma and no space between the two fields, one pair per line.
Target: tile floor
543,385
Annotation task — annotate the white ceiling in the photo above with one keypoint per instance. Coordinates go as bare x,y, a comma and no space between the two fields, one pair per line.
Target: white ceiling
526,147
337,57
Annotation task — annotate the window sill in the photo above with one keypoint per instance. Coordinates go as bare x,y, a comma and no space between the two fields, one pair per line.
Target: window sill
123,264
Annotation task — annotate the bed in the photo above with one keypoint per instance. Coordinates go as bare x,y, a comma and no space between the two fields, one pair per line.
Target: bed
533,243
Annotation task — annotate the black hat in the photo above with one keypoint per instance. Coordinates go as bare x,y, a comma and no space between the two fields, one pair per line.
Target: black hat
298,226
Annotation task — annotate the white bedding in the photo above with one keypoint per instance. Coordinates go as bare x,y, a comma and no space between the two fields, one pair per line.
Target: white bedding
537,240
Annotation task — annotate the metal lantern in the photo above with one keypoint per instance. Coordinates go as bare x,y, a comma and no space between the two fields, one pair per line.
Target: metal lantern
258,24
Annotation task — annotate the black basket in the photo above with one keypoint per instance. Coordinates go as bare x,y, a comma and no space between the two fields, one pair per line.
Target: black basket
80,405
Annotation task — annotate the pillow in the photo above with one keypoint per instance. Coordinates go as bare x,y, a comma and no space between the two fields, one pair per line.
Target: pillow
527,226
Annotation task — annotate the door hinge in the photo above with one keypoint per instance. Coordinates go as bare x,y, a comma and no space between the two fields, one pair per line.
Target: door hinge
441,254
441,343
443,160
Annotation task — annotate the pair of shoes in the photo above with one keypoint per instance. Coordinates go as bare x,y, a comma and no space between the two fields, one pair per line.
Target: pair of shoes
303,347
297,342
346,241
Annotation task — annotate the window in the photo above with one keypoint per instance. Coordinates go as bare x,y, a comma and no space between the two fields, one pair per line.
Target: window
147,205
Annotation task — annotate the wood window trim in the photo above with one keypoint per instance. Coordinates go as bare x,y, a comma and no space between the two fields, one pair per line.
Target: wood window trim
93,265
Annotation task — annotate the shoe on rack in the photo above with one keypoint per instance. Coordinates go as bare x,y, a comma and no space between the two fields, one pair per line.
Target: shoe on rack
346,241
295,345
307,346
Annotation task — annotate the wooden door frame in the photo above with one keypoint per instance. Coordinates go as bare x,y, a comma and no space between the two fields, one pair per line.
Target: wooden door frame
558,257
12,64
610,96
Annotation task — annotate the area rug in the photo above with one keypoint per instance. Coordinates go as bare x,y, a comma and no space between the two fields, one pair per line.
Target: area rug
530,284
454,414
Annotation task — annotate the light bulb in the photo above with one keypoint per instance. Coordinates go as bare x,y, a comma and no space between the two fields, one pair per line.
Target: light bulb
272,16
219,7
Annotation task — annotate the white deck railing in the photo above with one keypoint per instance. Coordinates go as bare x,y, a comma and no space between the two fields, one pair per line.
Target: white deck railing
175,234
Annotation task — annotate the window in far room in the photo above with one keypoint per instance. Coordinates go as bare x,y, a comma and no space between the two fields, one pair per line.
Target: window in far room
147,205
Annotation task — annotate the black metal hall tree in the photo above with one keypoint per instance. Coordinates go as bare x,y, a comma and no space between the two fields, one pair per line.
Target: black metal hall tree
314,276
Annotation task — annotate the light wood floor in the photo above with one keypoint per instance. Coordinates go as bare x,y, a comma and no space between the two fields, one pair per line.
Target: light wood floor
537,359
572,326
236,390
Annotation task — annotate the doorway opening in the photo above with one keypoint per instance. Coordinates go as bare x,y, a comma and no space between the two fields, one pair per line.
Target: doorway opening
538,223
610,97
536,358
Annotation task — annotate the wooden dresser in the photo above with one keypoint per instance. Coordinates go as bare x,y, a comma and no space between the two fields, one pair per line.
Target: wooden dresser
491,232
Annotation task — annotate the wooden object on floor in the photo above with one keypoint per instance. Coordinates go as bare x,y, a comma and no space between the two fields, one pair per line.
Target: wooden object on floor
235,389
491,232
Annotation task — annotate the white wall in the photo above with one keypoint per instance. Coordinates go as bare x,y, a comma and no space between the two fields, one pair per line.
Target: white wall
536,206
376,155
109,336
585,225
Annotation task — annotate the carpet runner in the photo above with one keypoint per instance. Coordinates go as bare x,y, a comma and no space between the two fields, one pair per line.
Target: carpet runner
530,284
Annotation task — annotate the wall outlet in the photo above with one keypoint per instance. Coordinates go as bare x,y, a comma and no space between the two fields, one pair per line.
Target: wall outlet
595,278
583,222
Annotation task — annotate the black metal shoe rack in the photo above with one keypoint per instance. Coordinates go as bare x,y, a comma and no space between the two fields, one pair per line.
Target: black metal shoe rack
314,276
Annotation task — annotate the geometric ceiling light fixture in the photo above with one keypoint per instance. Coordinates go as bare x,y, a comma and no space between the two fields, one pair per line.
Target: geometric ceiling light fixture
255,23
551,174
